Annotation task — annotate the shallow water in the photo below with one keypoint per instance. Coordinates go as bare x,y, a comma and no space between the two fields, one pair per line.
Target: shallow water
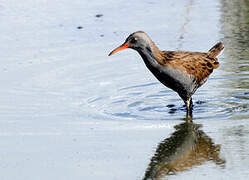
68,111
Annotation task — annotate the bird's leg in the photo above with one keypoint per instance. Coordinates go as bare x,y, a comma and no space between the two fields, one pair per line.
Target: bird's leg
189,105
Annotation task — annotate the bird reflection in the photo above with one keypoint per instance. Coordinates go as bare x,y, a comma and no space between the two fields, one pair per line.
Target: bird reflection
187,147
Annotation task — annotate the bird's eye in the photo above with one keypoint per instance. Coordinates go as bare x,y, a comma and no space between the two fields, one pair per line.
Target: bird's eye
133,40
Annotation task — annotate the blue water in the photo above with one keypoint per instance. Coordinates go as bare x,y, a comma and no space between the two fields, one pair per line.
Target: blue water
68,111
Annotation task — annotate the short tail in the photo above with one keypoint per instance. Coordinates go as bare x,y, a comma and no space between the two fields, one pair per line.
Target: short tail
214,51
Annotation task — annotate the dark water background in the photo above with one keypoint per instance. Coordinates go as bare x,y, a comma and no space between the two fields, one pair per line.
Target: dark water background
68,111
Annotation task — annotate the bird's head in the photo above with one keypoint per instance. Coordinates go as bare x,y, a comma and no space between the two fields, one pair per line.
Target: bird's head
138,41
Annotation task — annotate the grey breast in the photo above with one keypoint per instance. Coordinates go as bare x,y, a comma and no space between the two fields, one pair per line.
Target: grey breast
181,82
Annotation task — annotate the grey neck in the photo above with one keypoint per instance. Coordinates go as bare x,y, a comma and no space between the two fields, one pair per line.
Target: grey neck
148,58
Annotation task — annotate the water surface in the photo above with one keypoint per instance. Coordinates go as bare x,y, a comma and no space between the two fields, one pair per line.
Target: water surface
68,111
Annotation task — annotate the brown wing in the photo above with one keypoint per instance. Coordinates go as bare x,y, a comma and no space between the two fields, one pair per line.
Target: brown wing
198,64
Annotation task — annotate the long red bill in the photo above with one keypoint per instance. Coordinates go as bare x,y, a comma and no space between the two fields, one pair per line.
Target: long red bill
123,46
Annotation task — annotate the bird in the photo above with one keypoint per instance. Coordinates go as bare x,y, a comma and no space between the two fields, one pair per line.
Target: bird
182,71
